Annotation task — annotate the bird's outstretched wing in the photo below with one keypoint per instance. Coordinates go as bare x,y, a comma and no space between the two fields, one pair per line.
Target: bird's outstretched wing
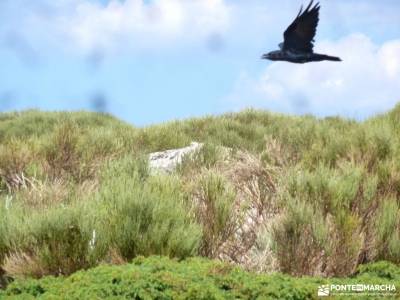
299,36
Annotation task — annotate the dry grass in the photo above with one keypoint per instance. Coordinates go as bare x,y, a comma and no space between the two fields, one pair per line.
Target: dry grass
214,210
42,195
14,159
234,197
346,248
22,264
114,257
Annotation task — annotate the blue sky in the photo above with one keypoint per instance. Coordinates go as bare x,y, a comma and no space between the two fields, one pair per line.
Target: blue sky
153,61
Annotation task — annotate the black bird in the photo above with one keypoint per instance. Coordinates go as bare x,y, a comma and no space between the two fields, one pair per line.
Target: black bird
298,43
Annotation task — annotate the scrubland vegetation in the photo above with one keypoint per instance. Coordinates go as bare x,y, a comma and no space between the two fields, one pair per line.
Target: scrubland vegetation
267,192
194,278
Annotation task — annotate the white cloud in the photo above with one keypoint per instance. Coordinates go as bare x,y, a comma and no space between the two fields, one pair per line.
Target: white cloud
85,25
366,82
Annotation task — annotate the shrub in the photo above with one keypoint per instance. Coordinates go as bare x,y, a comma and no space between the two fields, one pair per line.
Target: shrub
214,201
4,234
14,159
300,239
206,157
62,153
382,269
162,278
45,194
55,242
348,197
145,216
387,230
344,172
4,243
346,243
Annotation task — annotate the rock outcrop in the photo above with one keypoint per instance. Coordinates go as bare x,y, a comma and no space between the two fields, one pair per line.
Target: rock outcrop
166,161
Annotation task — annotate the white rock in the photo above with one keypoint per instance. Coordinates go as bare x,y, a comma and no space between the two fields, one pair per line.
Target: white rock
166,161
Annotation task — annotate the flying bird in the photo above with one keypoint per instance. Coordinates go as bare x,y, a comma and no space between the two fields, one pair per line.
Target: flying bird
298,43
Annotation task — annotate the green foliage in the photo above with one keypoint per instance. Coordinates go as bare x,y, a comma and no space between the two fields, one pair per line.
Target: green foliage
4,247
335,177
145,215
206,157
15,157
162,278
54,242
382,269
62,152
22,125
215,212
300,238
388,230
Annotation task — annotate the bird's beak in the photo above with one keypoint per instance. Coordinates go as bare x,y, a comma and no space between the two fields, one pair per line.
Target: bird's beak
264,56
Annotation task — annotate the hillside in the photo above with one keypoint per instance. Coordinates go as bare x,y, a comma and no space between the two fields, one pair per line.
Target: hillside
267,192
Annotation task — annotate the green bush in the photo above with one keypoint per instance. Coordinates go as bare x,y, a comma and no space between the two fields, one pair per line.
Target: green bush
55,242
300,239
387,228
14,159
4,234
206,157
145,215
62,153
162,278
215,200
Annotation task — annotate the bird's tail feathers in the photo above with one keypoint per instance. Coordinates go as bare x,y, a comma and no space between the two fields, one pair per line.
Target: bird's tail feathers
327,57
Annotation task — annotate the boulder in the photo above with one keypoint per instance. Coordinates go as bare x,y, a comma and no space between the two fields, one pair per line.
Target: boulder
167,161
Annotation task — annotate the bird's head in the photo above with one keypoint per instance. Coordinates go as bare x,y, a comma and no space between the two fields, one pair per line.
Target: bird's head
274,55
